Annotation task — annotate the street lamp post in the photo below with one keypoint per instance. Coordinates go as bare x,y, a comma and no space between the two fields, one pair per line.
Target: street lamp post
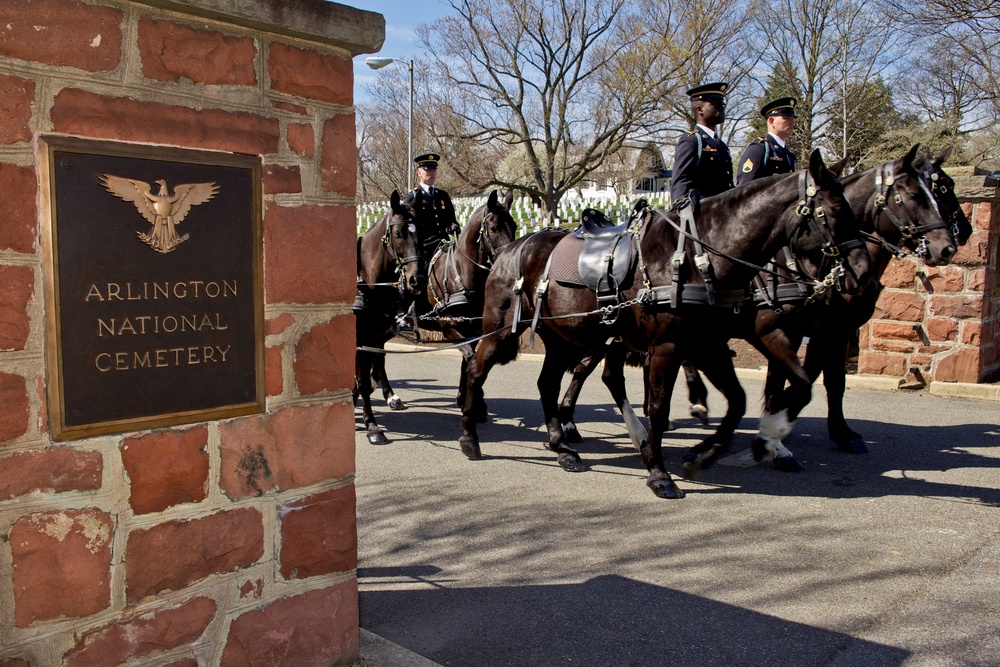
376,62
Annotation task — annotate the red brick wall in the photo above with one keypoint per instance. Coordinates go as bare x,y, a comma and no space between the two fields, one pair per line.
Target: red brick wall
183,545
941,323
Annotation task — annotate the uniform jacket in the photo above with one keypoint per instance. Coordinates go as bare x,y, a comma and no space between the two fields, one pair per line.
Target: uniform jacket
710,174
764,157
435,229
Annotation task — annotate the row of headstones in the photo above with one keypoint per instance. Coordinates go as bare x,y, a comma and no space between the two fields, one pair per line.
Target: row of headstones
527,216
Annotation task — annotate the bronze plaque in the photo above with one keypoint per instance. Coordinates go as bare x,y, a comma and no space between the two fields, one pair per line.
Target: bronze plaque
153,285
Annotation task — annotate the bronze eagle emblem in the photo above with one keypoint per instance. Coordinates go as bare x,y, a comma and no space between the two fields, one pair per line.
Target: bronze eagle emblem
163,210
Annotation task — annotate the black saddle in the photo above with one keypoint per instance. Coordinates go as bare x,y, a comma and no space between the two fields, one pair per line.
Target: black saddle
595,224
606,258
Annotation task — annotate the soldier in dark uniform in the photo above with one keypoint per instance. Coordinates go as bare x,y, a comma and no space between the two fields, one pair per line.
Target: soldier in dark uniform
702,163
432,230
701,159
770,155
442,222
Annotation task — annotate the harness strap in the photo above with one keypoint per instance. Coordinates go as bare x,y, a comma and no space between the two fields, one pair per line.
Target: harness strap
517,289
540,291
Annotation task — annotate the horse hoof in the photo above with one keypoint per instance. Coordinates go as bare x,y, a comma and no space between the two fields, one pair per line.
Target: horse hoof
572,435
378,438
471,449
759,447
853,446
396,403
666,489
700,412
787,464
571,463
671,426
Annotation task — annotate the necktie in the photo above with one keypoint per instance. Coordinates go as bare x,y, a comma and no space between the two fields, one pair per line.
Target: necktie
430,191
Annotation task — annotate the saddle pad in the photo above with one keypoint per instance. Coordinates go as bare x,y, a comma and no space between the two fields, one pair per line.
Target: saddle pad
565,261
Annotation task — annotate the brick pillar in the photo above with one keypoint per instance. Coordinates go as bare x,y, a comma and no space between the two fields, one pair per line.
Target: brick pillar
222,542
941,323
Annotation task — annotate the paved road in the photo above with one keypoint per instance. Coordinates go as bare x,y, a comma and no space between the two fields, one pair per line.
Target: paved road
886,559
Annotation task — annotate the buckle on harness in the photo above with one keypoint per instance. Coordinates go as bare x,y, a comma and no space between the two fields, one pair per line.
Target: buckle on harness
518,285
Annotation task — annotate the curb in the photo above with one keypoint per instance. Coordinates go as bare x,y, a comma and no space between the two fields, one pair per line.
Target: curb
381,652
985,392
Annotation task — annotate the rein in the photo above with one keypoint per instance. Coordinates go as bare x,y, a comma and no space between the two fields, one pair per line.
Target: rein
808,211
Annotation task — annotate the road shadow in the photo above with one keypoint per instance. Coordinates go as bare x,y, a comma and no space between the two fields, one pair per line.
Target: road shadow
608,620
902,461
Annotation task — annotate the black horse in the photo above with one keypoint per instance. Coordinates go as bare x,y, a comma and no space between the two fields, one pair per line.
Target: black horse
905,207
389,262
786,312
455,281
664,311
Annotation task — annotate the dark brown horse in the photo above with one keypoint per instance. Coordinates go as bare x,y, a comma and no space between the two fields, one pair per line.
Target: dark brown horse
905,207
786,313
388,262
742,228
455,282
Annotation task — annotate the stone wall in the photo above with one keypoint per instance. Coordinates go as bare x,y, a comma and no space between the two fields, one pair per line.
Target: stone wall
942,324
220,543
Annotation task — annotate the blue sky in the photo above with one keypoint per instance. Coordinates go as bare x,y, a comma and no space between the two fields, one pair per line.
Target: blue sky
401,19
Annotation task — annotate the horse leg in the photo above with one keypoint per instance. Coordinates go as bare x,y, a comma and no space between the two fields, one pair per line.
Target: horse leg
697,393
719,370
567,407
500,348
782,405
468,353
378,373
661,373
554,365
362,376
831,355
614,380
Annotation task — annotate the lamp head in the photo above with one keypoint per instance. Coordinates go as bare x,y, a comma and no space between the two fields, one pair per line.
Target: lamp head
377,62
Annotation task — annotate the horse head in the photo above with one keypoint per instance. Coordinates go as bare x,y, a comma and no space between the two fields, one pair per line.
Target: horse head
492,227
402,243
824,233
897,201
943,188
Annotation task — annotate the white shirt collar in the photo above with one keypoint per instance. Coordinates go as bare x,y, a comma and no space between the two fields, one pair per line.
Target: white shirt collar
707,131
425,188
778,140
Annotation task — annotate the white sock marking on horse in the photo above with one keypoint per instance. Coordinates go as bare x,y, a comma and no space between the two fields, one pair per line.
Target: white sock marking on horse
775,425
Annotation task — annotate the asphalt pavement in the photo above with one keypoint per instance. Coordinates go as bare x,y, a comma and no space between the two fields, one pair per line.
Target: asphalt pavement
884,559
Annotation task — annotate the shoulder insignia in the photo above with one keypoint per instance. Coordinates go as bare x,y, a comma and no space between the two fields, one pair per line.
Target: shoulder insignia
748,166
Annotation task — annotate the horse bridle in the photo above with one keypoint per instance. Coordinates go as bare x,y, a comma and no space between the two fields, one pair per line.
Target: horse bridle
401,262
885,185
938,189
833,253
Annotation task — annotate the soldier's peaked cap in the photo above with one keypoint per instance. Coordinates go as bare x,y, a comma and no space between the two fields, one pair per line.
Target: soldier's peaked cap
429,160
783,106
711,92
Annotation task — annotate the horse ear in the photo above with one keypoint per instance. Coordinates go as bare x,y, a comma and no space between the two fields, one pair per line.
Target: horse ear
508,199
817,168
491,202
838,167
910,155
942,156
394,202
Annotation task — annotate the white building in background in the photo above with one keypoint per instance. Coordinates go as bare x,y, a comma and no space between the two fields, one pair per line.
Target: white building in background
639,171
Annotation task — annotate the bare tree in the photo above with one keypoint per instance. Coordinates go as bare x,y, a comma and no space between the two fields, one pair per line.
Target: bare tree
970,28
817,49
564,83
